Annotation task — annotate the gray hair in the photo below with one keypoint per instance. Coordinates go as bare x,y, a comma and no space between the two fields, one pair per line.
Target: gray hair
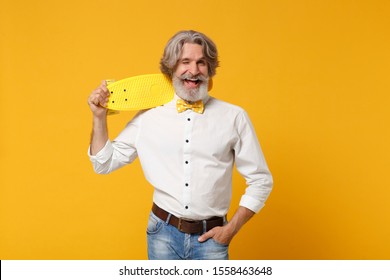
174,47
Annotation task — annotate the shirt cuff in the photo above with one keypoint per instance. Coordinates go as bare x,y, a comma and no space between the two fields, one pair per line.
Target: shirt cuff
251,203
103,155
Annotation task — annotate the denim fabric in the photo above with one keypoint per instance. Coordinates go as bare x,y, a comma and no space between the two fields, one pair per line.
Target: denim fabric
165,242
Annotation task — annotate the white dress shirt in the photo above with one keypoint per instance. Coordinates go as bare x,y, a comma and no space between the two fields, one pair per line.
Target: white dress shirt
188,158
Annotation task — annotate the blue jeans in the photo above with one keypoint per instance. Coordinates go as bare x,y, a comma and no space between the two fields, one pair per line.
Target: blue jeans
165,242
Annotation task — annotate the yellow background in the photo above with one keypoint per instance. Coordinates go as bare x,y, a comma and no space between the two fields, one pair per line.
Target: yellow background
313,76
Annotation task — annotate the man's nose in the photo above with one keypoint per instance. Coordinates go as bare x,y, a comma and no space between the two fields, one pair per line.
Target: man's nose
194,69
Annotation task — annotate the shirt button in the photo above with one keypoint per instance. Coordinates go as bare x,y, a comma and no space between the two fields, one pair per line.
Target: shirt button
186,184
186,207
188,119
187,141
186,162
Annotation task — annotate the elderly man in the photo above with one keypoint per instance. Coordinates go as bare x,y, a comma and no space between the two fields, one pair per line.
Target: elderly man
187,149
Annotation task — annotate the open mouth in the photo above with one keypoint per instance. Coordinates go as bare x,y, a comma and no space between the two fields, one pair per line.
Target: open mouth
192,82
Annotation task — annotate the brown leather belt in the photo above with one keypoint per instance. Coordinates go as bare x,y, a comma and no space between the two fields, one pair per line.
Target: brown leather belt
187,226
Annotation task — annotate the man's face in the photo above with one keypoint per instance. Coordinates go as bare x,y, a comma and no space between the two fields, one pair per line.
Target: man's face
190,78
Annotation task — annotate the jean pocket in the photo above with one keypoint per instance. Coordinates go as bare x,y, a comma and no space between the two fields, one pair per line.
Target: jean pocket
154,224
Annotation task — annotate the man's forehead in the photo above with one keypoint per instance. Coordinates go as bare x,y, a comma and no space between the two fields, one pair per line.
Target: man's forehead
191,50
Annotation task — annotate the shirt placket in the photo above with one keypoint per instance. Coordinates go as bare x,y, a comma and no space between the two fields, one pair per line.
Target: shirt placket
187,160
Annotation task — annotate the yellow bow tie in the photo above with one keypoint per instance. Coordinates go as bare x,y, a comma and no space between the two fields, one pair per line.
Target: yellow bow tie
197,106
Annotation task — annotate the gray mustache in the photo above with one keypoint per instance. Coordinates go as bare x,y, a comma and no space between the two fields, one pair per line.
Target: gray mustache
189,76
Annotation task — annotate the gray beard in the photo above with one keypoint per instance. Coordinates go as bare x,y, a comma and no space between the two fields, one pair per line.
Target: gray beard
191,95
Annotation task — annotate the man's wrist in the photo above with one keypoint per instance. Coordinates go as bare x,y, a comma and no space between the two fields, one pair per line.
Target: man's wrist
231,228
99,118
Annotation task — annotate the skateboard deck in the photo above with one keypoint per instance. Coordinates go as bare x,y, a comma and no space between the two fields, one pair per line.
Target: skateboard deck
139,92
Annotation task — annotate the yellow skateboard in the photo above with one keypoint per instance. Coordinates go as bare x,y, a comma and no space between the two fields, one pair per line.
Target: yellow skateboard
139,92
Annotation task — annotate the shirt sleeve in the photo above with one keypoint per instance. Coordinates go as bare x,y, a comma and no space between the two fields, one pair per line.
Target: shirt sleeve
251,164
119,152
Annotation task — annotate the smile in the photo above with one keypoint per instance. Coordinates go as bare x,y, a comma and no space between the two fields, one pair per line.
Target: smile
192,83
